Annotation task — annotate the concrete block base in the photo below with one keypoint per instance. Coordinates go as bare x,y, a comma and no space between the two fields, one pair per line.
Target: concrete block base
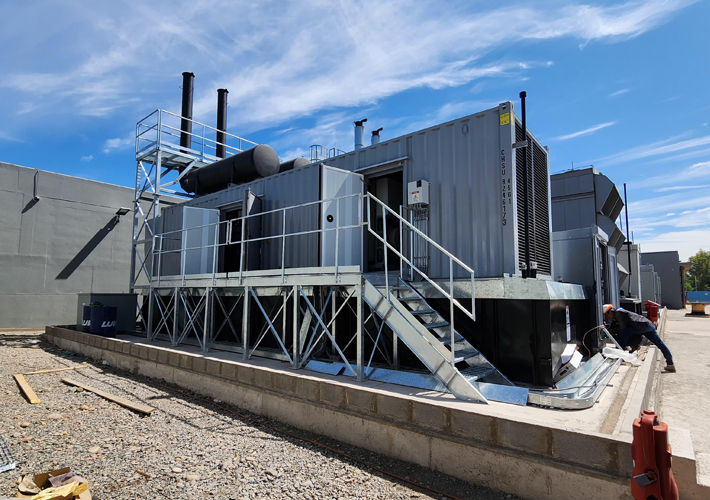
528,460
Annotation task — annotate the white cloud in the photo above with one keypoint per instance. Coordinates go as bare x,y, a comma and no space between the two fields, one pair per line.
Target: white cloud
111,145
586,131
8,137
681,188
87,158
677,179
286,60
653,149
686,242
619,92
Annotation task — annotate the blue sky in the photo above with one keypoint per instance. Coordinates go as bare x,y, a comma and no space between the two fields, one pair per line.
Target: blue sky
620,85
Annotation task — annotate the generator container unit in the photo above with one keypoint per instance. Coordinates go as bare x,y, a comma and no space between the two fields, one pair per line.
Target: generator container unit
474,168
584,198
584,256
440,238
630,287
650,289
671,275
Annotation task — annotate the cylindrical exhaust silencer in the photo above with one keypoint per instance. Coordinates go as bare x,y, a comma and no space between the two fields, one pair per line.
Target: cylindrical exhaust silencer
295,163
360,133
376,136
188,87
261,161
221,123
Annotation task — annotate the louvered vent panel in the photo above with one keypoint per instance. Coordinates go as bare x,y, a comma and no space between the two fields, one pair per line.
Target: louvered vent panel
539,204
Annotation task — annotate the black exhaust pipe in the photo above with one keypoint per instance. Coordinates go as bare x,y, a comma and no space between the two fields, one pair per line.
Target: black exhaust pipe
526,196
628,240
221,122
188,86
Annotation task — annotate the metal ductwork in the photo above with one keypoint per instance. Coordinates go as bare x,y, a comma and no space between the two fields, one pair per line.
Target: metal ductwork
376,136
221,123
360,133
188,87
295,163
261,161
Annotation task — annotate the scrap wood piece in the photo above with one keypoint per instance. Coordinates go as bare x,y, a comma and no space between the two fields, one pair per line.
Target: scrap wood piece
53,370
26,389
139,407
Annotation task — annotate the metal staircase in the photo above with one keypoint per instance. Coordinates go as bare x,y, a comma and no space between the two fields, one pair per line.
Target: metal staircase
429,336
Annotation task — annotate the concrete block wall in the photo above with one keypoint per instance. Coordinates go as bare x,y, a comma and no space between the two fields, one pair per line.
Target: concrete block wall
65,243
528,460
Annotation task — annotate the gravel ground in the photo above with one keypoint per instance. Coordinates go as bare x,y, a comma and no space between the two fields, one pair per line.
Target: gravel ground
188,448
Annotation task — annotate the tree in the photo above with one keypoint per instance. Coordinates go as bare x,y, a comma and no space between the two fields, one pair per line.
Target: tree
700,271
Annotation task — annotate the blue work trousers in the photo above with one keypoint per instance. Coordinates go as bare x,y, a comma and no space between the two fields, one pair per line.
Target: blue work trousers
651,334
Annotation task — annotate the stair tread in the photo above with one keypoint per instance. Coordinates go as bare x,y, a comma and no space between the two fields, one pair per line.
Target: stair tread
422,311
447,340
404,299
432,326
463,354
478,371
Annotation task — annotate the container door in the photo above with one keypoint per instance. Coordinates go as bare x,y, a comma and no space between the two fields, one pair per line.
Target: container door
252,205
198,240
343,214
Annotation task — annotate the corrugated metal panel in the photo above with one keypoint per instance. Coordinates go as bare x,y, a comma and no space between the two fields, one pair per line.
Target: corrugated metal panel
295,187
468,163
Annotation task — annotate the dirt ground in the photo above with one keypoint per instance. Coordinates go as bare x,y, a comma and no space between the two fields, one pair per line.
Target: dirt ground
188,448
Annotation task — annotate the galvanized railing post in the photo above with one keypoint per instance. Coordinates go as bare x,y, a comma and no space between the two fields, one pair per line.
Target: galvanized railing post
401,243
384,237
361,225
473,297
160,257
337,218
283,246
241,252
214,254
203,143
183,257
451,310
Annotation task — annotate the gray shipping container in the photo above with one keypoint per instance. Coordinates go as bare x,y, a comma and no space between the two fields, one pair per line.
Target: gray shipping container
476,189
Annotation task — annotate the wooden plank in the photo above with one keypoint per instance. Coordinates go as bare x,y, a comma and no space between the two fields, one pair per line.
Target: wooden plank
139,407
54,370
26,389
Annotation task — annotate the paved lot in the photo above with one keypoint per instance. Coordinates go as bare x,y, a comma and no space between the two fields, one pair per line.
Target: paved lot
685,395
189,447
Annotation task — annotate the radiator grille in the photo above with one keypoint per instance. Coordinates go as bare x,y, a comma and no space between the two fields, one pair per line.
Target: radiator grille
539,204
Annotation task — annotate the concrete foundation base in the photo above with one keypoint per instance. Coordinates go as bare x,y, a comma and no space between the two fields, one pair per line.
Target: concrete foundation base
463,440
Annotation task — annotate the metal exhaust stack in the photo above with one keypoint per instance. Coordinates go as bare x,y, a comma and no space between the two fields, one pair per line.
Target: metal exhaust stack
360,133
221,122
628,241
188,86
527,271
376,136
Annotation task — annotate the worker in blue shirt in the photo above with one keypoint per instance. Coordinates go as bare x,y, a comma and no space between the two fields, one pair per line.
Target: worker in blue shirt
625,325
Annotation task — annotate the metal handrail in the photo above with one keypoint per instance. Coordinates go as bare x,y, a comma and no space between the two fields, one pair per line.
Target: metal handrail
452,258
161,128
159,249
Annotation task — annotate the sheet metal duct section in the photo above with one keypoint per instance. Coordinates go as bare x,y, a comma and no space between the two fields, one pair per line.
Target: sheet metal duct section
376,136
221,122
360,133
261,161
295,163
188,87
